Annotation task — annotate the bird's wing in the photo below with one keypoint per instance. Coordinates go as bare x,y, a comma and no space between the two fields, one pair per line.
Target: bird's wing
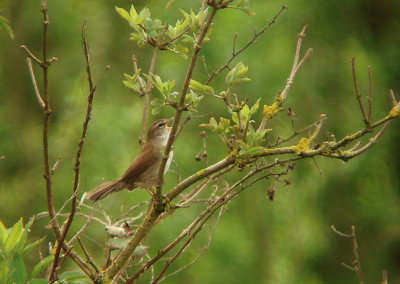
143,162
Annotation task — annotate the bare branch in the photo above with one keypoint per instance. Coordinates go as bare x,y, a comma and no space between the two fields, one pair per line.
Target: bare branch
141,83
77,162
393,98
203,59
295,69
165,44
369,94
84,227
296,65
202,251
31,55
356,265
281,141
357,92
55,166
35,86
88,257
250,42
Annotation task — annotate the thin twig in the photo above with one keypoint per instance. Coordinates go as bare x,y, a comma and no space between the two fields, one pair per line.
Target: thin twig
393,98
55,166
197,47
92,89
250,42
295,69
88,257
296,64
45,103
357,92
202,250
141,83
203,59
207,213
349,154
31,55
35,86
84,227
146,101
163,45
369,94
356,265
281,141
187,118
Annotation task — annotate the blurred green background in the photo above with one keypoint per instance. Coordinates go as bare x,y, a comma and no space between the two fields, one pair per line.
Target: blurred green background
288,240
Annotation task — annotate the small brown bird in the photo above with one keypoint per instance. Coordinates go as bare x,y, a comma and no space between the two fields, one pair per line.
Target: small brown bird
142,172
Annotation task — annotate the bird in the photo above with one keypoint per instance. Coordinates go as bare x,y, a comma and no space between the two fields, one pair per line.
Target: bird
142,173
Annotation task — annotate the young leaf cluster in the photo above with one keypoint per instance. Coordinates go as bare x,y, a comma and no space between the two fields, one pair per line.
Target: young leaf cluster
242,5
13,250
164,36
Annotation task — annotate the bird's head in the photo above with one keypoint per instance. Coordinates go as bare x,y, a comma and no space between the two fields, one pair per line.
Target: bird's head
159,132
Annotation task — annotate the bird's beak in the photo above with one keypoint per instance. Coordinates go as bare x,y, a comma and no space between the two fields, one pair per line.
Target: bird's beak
168,121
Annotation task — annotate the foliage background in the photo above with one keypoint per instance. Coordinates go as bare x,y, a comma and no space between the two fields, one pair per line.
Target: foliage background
257,241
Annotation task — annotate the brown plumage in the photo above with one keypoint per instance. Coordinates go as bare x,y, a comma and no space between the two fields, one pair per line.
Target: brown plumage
142,172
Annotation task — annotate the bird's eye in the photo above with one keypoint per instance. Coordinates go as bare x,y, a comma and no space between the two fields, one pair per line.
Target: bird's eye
160,125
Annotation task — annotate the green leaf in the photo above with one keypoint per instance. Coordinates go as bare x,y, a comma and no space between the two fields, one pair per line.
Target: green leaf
24,237
136,37
157,106
132,82
133,13
197,86
234,117
72,275
255,107
4,271
246,10
255,151
42,265
6,27
169,4
145,13
15,236
17,270
31,246
245,112
237,74
213,122
194,98
123,13
3,235
224,125
244,148
38,281
212,125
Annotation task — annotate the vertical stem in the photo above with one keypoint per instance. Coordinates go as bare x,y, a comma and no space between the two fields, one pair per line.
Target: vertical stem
155,210
146,101
181,103
356,256
369,95
47,112
77,162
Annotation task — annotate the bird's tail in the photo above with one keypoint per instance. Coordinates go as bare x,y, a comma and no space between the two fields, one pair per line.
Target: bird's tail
104,189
